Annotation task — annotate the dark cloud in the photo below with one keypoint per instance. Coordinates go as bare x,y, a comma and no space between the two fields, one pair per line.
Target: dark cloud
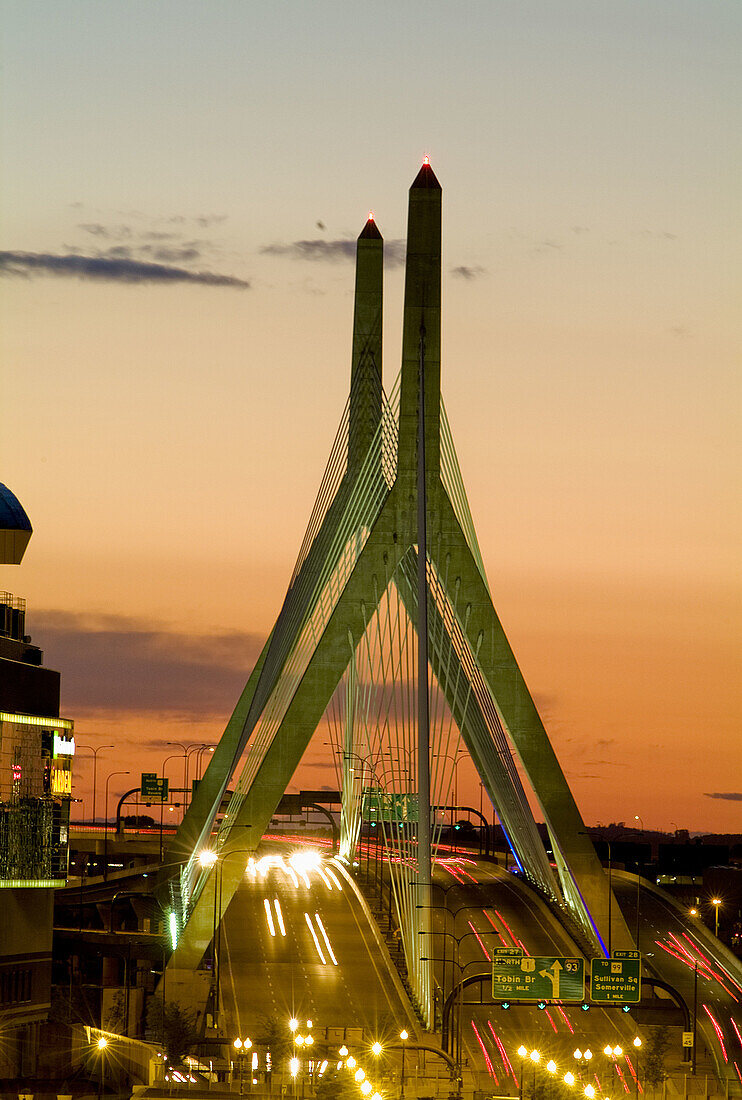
341,249
118,664
467,272
730,796
109,268
107,232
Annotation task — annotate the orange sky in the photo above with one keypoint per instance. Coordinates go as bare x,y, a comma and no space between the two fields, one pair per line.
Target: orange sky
167,435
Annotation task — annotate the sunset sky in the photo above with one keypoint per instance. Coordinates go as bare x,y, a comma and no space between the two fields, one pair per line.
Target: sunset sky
181,182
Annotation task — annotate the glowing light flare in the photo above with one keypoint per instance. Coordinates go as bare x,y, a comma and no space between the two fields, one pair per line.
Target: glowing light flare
293,1024
523,1052
359,1075
102,1043
589,1092
207,857
569,1078
366,1087
376,1049
426,161
551,1066
351,1062
294,1066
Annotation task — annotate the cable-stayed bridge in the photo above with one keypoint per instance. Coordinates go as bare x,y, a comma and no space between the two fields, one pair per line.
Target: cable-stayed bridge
388,642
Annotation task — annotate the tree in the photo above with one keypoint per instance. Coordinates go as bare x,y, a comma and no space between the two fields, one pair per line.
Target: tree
177,1029
654,1058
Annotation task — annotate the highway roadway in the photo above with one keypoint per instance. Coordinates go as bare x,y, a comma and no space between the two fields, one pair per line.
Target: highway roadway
297,941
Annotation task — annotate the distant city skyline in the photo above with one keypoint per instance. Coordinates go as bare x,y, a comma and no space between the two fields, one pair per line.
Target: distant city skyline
183,186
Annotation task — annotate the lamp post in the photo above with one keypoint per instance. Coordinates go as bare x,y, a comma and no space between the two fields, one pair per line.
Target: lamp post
716,902
180,745
242,1046
404,1036
101,1045
638,883
89,748
637,1047
109,777
208,859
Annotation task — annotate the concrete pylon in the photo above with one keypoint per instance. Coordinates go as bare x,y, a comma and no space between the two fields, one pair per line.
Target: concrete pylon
355,547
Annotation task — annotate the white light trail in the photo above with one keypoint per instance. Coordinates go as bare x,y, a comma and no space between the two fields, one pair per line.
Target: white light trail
334,877
325,937
279,917
325,879
269,916
314,937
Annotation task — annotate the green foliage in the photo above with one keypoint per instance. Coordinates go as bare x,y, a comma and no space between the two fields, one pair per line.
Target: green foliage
277,1037
178,1029
116,1017
653,1067
336,1085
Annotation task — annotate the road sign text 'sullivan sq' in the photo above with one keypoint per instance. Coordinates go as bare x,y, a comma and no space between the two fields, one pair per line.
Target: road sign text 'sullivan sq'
616,980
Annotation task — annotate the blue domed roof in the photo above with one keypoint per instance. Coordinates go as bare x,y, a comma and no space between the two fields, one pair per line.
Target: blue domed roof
12,515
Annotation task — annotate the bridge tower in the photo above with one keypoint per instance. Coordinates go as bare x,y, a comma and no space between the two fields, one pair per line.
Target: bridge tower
347,637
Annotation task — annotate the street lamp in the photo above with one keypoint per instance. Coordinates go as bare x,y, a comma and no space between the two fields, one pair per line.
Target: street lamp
109,777
404,1036
716,902
101,1045
89,748
242,1046
637,1044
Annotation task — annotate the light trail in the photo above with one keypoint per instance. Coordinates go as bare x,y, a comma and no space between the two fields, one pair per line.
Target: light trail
548,1016
717,1029
487,955
269,916
505,1060
334,878
279,916
490,1067
308,919
564,1016
619,1071
497,930
326,938
736,1030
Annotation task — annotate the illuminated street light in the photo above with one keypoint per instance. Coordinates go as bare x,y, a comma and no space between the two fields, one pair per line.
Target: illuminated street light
535,1056
343,1052
294,1066
522,1052
299,1040
569,1078
377,1048
359,1075
351,1062
293,1024
637,1042
589,1092
551,1066
403,1035
366,1088
309,1040
207,857
102,1043
716,902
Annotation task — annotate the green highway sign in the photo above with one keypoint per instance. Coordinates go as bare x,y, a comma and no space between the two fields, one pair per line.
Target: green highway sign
153,789
539,978
379,806
617,980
